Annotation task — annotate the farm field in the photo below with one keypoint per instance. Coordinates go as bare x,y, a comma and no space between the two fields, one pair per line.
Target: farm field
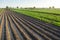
51,16
29,20
18,26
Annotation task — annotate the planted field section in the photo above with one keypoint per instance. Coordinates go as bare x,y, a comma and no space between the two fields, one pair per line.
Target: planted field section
51,16
16,26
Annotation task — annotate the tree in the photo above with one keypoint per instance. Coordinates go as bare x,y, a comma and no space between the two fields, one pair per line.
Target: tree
6,6
34,7
49,7
17,7
53,7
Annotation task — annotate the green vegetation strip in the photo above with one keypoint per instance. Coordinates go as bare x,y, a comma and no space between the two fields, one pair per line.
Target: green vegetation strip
53,19
46,10
1,10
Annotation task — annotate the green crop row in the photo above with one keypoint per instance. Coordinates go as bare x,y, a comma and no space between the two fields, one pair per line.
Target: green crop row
55,11
53,19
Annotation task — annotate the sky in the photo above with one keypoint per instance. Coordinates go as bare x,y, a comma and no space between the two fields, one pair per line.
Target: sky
30,3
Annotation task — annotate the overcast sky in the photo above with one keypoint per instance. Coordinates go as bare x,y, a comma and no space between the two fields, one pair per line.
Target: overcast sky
30,3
